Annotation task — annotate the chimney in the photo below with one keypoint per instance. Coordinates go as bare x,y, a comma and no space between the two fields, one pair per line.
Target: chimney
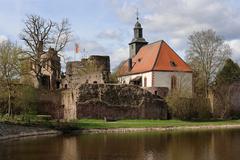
129,64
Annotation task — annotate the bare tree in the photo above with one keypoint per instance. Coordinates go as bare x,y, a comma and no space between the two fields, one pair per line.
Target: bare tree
9,69
40,34
207,53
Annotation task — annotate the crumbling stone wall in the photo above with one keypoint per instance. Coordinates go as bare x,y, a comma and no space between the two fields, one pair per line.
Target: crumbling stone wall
118,102
49,103
95,69
68,101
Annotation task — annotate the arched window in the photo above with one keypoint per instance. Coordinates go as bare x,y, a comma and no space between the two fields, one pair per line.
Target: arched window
173,82
145,81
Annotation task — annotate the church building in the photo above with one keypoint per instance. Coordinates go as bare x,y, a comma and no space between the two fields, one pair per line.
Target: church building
155,67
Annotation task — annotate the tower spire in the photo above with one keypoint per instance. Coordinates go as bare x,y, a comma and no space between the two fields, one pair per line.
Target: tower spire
138,41
137,13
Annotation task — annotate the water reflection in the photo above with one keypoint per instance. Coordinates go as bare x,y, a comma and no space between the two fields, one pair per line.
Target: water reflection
200,145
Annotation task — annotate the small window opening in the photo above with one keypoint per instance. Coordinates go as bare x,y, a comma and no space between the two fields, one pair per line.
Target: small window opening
145,81
173,64
58,84
173,83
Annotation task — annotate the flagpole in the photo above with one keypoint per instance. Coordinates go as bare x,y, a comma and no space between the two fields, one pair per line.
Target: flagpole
77,50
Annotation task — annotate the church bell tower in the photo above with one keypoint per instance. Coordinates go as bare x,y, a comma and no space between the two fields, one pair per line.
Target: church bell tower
138,41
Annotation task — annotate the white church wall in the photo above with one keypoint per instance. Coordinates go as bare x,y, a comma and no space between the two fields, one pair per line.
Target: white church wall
163,79
128,78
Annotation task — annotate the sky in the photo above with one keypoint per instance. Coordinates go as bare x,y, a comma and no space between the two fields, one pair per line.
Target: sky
105,27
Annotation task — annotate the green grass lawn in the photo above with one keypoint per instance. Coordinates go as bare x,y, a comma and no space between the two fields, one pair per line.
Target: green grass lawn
99,124
93,123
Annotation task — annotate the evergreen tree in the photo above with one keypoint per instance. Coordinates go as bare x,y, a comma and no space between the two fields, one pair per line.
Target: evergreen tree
229,73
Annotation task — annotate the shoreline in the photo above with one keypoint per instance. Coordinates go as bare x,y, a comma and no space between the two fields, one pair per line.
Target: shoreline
33,134
18,131
15,131
152,129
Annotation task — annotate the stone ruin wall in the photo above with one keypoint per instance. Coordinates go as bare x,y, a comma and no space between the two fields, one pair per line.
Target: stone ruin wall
49,103
118,102
73,72
69,104
102,101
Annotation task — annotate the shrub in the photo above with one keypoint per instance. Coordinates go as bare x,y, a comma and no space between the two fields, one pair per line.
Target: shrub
189,108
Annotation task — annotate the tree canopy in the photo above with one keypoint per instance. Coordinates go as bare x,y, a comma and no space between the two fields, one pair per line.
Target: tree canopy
9,70
229,73
40,34
207,53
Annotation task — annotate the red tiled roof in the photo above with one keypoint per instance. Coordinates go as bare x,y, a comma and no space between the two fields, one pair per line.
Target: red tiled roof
156,56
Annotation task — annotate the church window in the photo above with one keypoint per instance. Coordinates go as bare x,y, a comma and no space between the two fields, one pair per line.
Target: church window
145,81
173,82
140,34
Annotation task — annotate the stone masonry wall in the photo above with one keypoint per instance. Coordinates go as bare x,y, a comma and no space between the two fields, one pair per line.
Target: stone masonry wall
49,103
95,69
118,102
68,100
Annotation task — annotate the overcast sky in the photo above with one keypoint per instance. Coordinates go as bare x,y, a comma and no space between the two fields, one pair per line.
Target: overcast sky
106,26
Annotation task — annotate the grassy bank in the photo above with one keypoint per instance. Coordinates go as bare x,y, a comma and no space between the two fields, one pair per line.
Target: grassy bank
98,124
101,124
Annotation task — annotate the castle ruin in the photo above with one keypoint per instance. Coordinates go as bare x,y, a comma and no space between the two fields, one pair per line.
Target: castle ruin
95,69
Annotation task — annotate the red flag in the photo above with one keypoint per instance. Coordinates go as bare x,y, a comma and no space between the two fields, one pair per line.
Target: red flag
77,48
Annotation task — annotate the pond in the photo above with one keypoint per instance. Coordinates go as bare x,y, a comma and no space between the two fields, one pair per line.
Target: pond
177,145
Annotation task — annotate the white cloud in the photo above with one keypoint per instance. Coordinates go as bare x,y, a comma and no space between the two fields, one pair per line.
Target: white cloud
118,56
186,16
86,45
91,46
3,38
87,48
174,20
110,34
126,10
235,46
170,20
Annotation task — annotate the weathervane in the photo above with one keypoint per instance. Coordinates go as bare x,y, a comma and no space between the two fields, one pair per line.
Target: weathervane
137,14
